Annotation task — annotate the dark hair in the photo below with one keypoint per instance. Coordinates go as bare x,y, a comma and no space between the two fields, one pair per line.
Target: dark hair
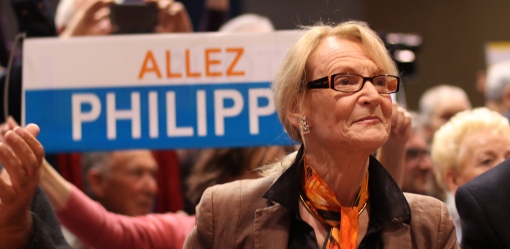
217,166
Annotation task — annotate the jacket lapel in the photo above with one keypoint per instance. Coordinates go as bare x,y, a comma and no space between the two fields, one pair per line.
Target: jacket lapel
272,227
396,235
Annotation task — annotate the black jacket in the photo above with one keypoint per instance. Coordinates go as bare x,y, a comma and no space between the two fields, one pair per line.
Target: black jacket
46,228
483,205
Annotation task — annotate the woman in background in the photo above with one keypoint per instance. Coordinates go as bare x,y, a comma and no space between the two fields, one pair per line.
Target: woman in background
469,144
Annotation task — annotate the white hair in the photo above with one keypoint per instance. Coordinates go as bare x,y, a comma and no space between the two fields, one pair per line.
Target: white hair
498,78
248,23
435,96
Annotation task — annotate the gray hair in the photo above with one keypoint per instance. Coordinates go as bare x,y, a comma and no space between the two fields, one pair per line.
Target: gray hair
94,160
498,78
435,96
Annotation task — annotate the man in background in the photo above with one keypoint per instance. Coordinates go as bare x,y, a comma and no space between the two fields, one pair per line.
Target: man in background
124,182
419,169
497,92
438,104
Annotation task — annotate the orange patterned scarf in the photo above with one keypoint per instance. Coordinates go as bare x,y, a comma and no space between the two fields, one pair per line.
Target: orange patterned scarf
320,200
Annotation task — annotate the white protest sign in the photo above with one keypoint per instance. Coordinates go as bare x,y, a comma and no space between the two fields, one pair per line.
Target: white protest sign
154,91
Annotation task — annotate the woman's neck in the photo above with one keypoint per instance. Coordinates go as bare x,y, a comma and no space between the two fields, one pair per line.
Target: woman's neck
342,172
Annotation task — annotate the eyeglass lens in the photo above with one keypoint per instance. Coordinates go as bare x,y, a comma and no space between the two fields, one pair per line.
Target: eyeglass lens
353,83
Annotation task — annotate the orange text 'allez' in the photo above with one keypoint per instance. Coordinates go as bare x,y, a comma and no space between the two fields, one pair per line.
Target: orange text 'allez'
151,66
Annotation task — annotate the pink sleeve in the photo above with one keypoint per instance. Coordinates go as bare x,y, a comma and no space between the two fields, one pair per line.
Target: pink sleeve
98,228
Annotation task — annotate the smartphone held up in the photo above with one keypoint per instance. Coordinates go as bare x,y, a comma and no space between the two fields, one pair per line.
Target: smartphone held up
133,17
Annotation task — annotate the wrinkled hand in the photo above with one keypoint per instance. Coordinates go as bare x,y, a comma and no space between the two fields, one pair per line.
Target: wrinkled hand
172,17
21,155
91,17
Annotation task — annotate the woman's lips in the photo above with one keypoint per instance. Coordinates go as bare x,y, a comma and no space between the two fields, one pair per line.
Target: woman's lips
368,119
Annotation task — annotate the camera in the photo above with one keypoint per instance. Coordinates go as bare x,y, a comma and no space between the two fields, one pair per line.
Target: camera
134,17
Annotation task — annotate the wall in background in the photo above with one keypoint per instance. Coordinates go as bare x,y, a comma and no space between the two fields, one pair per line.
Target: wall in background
454,32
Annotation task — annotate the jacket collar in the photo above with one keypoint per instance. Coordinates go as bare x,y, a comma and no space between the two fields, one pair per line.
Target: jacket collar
387,201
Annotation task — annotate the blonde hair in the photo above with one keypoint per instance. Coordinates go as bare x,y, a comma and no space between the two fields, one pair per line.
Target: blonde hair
450,137
291,77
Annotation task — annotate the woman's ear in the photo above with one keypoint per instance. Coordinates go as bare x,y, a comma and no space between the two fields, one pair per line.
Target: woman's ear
451,180
294,113
294,118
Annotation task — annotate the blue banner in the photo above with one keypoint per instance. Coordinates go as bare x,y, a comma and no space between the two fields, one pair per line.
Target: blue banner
156,117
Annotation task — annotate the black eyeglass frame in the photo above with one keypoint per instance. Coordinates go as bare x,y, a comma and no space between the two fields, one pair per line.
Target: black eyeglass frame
325,82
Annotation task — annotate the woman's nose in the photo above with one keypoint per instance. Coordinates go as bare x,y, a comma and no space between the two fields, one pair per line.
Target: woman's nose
369,94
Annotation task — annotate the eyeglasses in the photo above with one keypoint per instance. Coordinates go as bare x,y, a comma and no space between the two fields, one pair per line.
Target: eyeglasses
413,154
350,83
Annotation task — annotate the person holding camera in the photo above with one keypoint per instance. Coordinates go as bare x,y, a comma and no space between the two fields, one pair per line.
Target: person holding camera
94,17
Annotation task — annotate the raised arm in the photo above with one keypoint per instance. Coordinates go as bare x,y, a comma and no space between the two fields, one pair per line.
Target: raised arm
391,154
98,228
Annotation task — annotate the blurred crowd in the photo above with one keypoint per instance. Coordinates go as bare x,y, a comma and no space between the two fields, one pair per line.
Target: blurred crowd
128,198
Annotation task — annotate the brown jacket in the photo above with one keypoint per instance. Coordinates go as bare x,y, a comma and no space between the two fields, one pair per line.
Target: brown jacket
235,215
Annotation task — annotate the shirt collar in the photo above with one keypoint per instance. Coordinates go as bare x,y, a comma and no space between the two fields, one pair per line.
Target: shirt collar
387,202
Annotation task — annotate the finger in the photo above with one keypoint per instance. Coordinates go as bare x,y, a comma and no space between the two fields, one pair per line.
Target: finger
163,5
104,26
27,150
32,129
182,20
4,128
34,145
400,119
93,8
394,117
12,123
407,123
164,18
102,14
11,164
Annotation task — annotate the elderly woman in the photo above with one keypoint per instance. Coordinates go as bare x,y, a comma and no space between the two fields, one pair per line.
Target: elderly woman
332,93
471,143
